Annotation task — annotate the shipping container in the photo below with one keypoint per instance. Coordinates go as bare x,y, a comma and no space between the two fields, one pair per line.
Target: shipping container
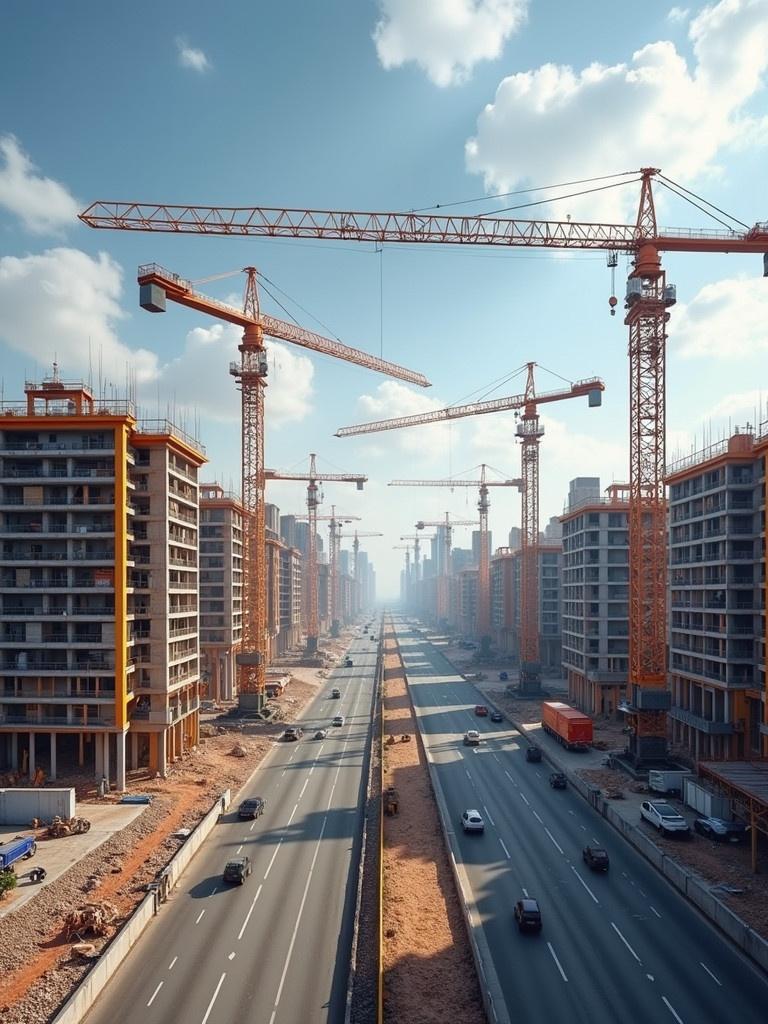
571,728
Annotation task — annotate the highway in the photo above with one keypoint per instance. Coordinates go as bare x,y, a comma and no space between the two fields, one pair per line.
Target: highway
276,949
621,946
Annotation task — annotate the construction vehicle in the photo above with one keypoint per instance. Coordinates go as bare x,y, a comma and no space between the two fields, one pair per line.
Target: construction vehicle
571,728
61,827
20,848
647,303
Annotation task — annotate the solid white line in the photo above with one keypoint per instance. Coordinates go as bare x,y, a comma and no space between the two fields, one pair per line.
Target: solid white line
712,976
152,997
634,954
654,910
554,840
200,916
213,999
170,965
672,1010
559,966
248,915
506,851
488,816
272,861
536,816
573,869
239,848
524,797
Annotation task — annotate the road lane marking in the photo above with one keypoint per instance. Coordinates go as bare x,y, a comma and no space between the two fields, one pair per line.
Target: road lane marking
488,816
231,956
536,816
583,827
152,997
654,910
467,774
597,843
524,797
200,916
311,769
573,813
253,826
214,890
170,965
672,1010
272,861
239,849
538,773
554,840
295,808
559,965
510,777
213,999
525,893
306,783
506,851
282,773
634,954
712,976
573,869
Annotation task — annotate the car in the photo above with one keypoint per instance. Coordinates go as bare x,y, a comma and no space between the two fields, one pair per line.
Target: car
557,780
292,732
321,734
253,807
596,858
335,693
528,915
348,663
237,870
533,754
496,716
481,710
338,720
471,738
720,830
373,637
471,821
664,817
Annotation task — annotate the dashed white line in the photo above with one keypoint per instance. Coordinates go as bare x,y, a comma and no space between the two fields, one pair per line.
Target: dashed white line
510,777
239,848
253,826
654,910
272,859
536,816
506,851
250,911
488,816
573,869
554,840
231,956
559,965
712,976
152,997
669,1006
170,965
200,916
573,813
306,783
468,774
524,797
295,808
311,769
583,828
213,999
634,954
525,893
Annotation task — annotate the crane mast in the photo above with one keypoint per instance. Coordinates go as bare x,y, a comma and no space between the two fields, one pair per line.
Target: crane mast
443,599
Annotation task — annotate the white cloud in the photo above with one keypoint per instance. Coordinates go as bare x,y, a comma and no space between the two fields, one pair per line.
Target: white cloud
42,204
446,38
556,124
678,14
192,58
200,380
395,399
64,304
724,320
743,406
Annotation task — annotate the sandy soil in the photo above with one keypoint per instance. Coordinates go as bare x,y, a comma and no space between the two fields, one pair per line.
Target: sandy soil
429,974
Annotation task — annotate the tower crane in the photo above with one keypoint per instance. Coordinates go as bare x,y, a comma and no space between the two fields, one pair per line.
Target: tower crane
312,478
442,579
484,568
530,432
417,539
356,551
406,593
647,303
340,520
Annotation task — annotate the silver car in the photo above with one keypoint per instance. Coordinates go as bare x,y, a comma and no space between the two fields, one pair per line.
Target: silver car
471,821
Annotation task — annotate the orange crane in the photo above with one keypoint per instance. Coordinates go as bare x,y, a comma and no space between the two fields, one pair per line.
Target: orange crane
647,303
156,285
530,432
447,525
313,500
356,551
484,568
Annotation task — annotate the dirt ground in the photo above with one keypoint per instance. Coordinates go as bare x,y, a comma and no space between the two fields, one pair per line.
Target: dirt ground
429,974
37,967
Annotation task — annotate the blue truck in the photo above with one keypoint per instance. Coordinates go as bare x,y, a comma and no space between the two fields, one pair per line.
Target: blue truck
20,848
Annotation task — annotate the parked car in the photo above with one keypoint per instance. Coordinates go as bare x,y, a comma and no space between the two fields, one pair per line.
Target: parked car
721,831
471,738
338,720
292,732
481,710
471,821
557,780
664,817
496,716
528,915
335,693
533,754
237,870
596,858
321,734
253,807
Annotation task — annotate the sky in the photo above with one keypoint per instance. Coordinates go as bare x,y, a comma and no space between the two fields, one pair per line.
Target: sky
385,105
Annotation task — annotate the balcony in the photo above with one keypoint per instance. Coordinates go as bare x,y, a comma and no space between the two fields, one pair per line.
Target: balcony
701,724
76,722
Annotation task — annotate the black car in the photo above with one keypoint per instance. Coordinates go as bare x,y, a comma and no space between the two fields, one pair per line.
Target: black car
251,808
496,716
596,858
528,915
533,754
721,831
237,870
557,780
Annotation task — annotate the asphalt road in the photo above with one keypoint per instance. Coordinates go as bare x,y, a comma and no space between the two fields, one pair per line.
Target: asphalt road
276,949
621,946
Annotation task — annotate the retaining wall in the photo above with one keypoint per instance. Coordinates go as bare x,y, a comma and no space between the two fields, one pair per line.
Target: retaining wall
20,806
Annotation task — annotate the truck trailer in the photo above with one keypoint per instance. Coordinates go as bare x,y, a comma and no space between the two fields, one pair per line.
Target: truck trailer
571,728
20,848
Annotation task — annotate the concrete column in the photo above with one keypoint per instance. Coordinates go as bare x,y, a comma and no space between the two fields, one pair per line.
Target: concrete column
120,768
98,752
15,751
31,755
105,765
52,774
134,762
81,750
162,753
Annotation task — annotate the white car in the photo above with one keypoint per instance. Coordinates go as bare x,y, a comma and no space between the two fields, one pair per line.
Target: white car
471,821
471,738
664,817
338,720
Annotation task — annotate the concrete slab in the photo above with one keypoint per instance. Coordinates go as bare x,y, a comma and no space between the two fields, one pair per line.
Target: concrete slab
59,855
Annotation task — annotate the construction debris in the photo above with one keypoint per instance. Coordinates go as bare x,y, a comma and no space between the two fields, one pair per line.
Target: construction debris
238,751
90,919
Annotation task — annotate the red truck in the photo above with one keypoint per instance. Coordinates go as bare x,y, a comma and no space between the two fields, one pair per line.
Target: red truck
568,726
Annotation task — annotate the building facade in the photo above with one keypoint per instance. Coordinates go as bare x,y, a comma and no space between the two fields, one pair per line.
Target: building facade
221,590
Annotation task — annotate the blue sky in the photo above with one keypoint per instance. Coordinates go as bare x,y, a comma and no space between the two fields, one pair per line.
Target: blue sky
383,105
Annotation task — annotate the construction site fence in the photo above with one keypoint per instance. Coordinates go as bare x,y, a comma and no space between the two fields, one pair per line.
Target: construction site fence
113,955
